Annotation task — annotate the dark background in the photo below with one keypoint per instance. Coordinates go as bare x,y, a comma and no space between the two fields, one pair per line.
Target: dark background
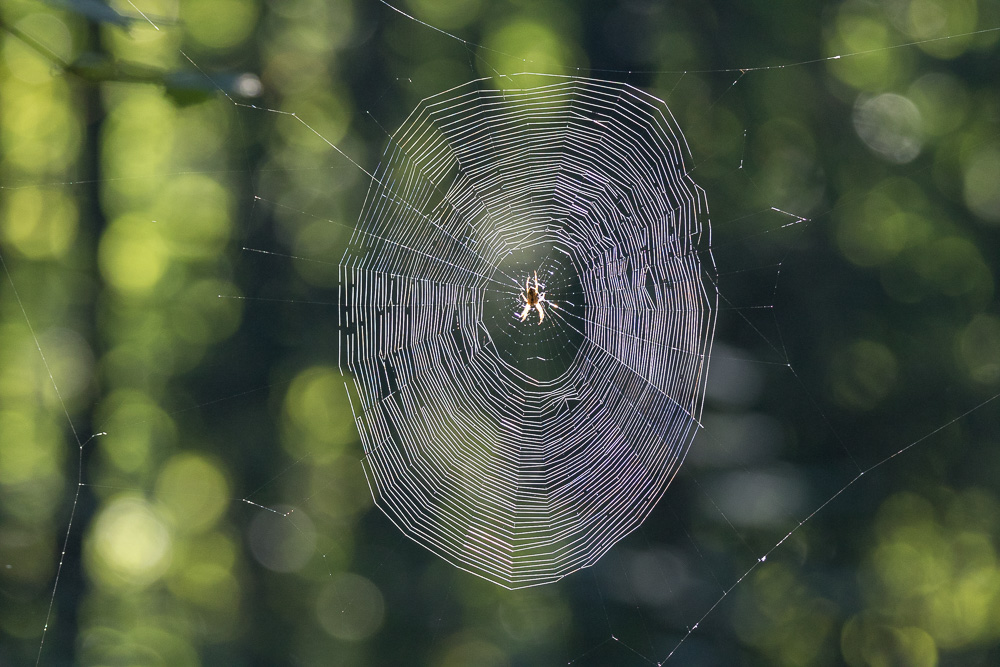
170,237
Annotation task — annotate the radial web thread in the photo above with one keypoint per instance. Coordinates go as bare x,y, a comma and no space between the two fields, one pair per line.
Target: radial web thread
522,451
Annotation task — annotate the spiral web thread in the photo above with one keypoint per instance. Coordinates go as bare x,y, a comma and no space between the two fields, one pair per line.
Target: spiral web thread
522,451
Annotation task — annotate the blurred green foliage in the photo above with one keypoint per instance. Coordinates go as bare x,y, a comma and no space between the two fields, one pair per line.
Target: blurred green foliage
225,518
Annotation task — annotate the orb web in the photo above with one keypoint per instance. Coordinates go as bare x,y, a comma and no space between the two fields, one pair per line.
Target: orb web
521,451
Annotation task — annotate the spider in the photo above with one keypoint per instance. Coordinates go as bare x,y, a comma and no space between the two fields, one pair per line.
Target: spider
533,299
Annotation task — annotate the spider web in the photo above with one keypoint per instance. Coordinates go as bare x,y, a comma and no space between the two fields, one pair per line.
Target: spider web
522,451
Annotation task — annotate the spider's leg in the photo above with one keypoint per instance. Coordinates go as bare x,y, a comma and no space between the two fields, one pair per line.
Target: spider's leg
541,313
524,313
